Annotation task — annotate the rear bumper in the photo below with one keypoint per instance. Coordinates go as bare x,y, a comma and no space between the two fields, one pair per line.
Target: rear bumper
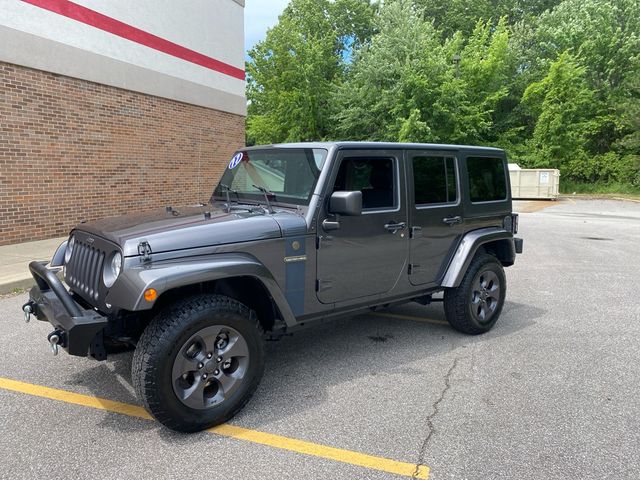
79,329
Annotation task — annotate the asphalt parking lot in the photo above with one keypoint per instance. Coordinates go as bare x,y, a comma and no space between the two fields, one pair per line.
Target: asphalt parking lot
552,392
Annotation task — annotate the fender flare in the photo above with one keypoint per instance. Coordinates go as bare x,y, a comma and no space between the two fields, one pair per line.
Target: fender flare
468,248
128,291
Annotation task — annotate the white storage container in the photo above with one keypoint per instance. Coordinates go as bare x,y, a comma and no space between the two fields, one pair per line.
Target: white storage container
534,182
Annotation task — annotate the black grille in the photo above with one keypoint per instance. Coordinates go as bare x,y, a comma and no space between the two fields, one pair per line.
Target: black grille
84,269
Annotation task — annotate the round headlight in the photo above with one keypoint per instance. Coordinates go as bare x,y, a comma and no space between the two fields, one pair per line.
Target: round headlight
69,250
116,263
112,269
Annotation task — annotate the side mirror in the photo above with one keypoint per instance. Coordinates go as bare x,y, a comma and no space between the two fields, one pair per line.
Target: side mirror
346,203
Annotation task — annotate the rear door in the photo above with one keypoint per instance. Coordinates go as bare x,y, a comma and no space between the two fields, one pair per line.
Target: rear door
436,213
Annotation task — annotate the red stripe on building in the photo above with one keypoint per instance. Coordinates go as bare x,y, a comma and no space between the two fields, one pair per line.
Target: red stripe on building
111,25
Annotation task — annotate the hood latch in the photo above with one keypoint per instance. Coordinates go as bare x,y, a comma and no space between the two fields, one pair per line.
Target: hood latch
144,250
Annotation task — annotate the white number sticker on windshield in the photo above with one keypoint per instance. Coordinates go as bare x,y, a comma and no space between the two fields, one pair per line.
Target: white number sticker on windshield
235,160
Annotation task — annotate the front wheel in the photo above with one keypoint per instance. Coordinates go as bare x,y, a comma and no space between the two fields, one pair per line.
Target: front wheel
198,362
474,306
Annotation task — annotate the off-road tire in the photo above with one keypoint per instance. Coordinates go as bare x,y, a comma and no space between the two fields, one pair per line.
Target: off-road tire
458,305
164,338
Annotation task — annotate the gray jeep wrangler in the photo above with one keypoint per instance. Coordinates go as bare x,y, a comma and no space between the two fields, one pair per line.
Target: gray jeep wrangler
293,234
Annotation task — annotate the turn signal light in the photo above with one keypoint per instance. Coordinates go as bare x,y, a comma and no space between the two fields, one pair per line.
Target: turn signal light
150,294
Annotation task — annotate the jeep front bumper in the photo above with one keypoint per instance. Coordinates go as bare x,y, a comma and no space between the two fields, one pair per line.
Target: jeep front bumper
77,330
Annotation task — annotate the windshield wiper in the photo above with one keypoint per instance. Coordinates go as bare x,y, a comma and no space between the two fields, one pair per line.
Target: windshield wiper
230,207
227,190
266,197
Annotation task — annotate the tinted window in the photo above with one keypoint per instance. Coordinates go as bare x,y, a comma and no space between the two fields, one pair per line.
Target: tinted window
373,176
434,180
487,180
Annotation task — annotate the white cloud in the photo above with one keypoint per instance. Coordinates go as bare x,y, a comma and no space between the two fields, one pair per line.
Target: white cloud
259,15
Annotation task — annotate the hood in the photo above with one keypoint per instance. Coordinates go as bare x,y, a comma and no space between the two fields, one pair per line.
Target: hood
192,227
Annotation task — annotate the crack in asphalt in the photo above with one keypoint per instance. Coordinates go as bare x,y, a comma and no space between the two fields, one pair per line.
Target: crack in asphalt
432,415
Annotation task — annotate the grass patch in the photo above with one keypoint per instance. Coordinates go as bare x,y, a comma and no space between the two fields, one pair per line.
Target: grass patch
606,189
13,293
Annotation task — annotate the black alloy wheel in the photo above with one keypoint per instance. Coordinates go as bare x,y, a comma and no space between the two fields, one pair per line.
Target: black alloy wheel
475,305
198,362
210,366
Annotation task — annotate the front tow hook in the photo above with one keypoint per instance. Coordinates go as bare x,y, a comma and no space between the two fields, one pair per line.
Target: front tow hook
55,339
28,308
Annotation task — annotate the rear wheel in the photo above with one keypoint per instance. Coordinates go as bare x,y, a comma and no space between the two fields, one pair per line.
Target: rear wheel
198,362
474,306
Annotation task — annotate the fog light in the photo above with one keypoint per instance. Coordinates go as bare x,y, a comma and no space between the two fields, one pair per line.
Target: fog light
150,294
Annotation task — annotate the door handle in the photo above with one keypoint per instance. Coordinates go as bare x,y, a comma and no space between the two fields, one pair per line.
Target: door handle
394,227
452,220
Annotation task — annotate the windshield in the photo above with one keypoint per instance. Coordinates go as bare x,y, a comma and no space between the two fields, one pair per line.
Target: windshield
288,174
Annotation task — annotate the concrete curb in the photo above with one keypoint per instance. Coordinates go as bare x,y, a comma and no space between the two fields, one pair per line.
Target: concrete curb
15,286
14,262
20,284
626,199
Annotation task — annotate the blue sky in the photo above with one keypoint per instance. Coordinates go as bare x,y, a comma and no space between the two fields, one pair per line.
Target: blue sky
259,15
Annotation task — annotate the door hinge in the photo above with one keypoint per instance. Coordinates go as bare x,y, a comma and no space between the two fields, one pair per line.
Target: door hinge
322,285
413,267
323,240
414,232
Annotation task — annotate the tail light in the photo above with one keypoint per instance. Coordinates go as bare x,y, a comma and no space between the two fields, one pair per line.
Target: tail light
510,223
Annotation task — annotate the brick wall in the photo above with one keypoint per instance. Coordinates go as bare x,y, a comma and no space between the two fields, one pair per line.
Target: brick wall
73,150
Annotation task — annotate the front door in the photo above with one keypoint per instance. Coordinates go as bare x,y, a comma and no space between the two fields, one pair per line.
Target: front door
437,222
367,254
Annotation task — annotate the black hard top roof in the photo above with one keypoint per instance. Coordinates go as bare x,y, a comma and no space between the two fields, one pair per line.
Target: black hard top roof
379,146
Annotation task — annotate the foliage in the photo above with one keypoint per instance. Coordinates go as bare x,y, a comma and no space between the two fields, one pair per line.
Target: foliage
291,73
403,85
461,15
564,106
603,37
568,186
555,82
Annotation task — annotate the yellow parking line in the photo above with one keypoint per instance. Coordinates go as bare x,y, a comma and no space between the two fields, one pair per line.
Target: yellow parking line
75,398
410,317
231,431
322,451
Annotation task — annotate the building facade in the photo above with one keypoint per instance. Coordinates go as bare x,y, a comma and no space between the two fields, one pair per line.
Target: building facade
111,106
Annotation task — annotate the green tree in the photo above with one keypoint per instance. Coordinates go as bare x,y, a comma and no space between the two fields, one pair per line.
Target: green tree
372,102
456,15
627,169
565,109
554,82
451,16
291,73
404,85
604,36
